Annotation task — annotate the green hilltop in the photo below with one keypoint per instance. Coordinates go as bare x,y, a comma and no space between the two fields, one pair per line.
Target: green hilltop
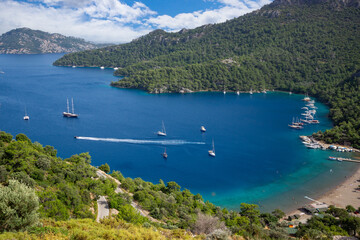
301,46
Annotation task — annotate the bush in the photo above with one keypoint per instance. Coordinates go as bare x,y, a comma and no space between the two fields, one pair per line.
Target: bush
18,207
105,167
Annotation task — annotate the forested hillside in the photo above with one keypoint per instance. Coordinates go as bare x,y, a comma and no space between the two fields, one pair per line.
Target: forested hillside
300,46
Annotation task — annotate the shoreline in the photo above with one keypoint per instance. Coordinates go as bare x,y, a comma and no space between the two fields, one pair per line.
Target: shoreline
345,193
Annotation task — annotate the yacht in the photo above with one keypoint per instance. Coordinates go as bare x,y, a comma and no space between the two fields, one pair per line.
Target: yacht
26,117
68,113
163,131
102,68
164,154
212,152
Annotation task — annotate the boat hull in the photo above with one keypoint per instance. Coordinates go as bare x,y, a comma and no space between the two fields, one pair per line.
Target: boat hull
70,115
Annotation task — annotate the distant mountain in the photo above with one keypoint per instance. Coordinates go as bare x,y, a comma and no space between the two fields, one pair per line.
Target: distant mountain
28,41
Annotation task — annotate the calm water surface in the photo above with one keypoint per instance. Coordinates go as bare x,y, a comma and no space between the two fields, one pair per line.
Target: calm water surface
259,159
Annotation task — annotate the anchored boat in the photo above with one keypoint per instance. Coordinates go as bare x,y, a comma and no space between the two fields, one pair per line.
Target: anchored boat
68,113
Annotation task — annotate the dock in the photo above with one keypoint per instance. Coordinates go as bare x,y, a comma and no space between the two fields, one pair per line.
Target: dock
340,159
348,160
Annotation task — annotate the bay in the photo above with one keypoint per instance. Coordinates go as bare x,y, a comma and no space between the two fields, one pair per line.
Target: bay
259,159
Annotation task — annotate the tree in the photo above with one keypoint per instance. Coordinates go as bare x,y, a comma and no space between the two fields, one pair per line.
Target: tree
105,167
207,224
18,207
22,137
278,213
3,174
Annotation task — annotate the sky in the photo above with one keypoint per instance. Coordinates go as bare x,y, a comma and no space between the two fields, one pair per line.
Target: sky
118,21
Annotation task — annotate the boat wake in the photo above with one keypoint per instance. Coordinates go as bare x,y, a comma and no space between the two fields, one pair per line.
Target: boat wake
140,141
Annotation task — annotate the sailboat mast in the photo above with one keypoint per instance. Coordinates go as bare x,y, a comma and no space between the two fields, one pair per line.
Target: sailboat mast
213,145
67,104
163,125
72,105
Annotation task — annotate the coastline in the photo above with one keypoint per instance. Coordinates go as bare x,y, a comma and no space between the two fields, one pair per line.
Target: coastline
343,194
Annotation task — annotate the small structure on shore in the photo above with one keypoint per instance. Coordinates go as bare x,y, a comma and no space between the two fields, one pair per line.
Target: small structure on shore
316,207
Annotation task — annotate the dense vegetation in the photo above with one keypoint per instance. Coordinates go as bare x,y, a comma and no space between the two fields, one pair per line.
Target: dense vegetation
65,188
45,197
301,46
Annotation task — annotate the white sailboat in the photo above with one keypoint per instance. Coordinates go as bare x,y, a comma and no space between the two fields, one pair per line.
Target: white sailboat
238,92
68,113
26,117
212,152
163,131
251,92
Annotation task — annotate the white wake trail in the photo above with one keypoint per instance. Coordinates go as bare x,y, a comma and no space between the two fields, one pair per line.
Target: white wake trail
140,141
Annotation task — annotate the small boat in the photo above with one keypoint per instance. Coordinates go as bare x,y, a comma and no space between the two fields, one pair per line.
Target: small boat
74,66
212,152
224,92
306,98
251,92
76,137
264,91
202,129
26,117
332,158
115,68
290,93
68,113
102,68
237,92
164,154
163,131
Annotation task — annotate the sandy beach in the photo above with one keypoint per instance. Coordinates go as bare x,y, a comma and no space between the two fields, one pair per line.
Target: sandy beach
347,193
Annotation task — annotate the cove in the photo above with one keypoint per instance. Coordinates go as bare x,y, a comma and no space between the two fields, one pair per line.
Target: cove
259,159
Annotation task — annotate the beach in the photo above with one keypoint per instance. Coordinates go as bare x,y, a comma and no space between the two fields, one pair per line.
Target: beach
344,194
347,193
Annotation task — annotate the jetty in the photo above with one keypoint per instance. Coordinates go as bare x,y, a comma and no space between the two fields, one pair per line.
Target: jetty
340,159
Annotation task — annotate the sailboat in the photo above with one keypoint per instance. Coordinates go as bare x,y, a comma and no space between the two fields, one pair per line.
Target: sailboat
238,92
164,154
212,152
163,131
68,113
251,92
26,117
202,129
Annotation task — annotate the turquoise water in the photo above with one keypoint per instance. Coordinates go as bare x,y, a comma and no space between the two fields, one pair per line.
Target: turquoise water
259,159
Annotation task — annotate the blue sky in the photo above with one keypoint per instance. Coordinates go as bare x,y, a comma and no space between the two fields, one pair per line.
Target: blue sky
118,21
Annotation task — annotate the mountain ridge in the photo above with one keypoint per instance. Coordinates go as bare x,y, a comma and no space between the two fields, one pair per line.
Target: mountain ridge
28,41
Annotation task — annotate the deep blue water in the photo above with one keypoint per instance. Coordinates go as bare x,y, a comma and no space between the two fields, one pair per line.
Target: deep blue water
259,159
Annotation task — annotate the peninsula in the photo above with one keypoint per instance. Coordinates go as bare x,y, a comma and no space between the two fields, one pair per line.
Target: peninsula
306,46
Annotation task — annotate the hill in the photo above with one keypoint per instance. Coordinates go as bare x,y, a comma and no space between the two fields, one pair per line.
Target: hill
28,41
303,46
45,197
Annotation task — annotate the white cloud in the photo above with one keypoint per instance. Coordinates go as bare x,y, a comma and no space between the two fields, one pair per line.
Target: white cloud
104,23
229,9
110,20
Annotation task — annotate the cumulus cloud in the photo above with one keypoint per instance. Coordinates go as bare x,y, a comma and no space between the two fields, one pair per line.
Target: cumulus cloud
228,9
111,20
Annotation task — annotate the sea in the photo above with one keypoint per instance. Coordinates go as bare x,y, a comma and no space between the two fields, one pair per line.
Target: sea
259,159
